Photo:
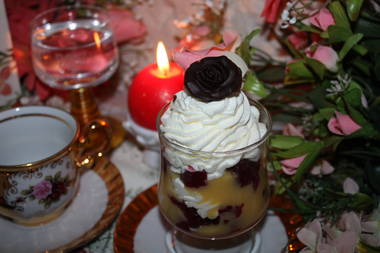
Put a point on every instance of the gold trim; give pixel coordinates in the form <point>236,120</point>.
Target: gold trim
<point>115,187</point>
<point>36,164</point>
<point>126,226</point>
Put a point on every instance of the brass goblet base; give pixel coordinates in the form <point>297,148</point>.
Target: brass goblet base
<point>95,128</point>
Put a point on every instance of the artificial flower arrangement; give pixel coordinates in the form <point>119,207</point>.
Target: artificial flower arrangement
<point>327,158</point>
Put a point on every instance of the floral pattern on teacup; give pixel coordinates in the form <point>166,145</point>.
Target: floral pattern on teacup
<point>48,190</point>
<point>44,189</point>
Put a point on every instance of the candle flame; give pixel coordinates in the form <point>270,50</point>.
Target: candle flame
<point>97,40</point>
<point>162,59</point>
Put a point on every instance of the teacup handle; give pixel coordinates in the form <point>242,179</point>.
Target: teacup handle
<point>94,142</point>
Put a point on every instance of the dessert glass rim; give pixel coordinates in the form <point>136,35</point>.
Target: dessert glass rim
<point>185,149</point>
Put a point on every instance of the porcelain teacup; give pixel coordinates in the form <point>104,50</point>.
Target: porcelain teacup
<point>39,175</point>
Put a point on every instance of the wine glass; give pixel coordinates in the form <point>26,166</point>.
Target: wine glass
<point>214,214</point>
<point>73,48</point>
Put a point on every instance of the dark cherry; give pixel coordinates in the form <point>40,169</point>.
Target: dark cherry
<point>194,179</point>
<point>193,220</point>
<point>246,172</point>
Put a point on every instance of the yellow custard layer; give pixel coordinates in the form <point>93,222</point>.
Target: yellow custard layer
<point>223,193</point>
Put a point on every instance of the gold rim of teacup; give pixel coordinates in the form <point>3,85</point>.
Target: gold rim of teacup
<point>39,163</point>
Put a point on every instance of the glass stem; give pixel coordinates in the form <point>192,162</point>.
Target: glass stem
<point>83,105</point>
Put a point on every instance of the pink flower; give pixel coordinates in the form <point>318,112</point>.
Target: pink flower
<point>342,124</point>
<point>371,228</point>
<point>325,238</point>
<point>289,166</point>
<point>42,189</point>
<point>326,55</point>
<point>350,186</point>
<point>345,235</point>
<point>322,168</point>
<point>298,40</point>
<point>124,25</point>
<point>186,57</point>
<point>272,9</point>
<point>311,235</point>
<point>323,19</point>
<point>291,130</point>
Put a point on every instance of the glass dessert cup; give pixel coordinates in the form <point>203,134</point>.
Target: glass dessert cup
<point>73,49</point>
<point>210,213</point>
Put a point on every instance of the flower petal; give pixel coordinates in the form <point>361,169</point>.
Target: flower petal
<point>350,221</point>
<point>326,168</point>
<point>290,130</point>
<point>347,125</point>
<point>350,186</point>
<point>334,127</point>
<point>308,237</point>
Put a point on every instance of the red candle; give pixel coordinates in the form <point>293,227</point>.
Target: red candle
<point>152,88</point>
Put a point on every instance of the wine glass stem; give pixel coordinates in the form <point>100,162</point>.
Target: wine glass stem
<point>83,105</point>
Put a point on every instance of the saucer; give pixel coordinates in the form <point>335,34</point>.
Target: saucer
<point>141,220</point>
<point>99,200</point>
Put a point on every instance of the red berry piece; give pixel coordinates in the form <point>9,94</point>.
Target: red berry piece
<point>193,219</point>
<point>246,172</point>
<point>194,179</point>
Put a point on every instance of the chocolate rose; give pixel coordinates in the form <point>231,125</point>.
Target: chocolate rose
<point>213,79</point>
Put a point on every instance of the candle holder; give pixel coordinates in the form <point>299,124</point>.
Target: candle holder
<point>152,88</point>
<point>148,139</point>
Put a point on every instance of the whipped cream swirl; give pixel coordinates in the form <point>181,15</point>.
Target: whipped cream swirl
<point>216,126</point>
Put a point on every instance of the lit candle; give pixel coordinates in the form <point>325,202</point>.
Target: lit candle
<point>153,87</point>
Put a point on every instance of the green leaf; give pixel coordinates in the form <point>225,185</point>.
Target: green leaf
<point>271,74</point>
<point>324,114</point>
<point>307,163</point>
<point>244,49</point>
<point>352,94</point>
<point>357,116</point>
<point>317,97</point>
<point>57,176</point>
<point>298,71</point>
<point>368,28</point>
<point>362,65</point>
<point>362,201</point>
<point>304,148</point>
<point>284,141</point>
<point>339,14</point>
<point>318,68</point>
<point>373,45</point>
<point>353,8</point>
<point>349,44</point>
<point>254,86</point>
<point>362,50</point>
<point>338,33</point>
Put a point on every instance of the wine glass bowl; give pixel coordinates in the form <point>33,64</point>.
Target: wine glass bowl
<point>214,207</point>
<point>73,47</point>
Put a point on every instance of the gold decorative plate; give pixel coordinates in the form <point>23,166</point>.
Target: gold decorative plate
<point>115,186</point>
<point>99,200</point>
<point>130,219</point>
